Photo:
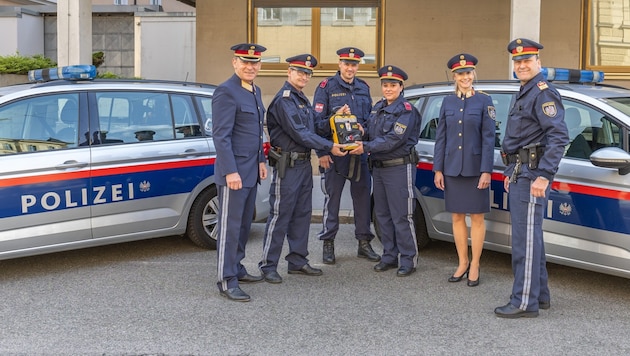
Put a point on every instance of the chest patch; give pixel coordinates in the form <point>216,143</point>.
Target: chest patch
<point>549,108</point>
<point>399,128</point>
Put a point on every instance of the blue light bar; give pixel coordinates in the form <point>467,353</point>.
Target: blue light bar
<point>74,72</point>
<point>571,75</point>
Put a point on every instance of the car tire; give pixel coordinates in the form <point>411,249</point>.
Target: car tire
<point>203,218</point>
<point>422,235</point>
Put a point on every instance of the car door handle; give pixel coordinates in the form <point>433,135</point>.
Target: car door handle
<point>192,152</point>
<point>425,156</point>
<point>71,164</point>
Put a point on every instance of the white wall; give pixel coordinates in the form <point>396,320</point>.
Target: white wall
<point>22,32</point>
<point>165,46</point>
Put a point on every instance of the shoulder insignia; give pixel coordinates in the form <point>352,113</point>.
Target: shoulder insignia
<point>323,83</point>
<point>319,107</point>
<point>407,106</point>
<point>482,92</point>
<point>549,108</point>
<point>286,93</point>
<point>399,128</point>
<point>492,112</point>
<point>542,85</point>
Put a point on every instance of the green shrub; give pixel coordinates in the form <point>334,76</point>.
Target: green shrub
<point>18,64</point>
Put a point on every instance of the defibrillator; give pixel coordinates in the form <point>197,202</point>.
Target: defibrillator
<point>345,130</point>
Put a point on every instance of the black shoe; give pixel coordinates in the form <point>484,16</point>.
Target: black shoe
<point>236,294</point>
<point>365,251</point>
<point>328,252</point>
<point>382,266</point>
<point>307,270</point>
<point>474,283</point>
<point>454,279</point>
<point>272,277</point>
<point>248,278</point>
<point>404,271</point>
<point>512,312</point>
<point>544,304</point>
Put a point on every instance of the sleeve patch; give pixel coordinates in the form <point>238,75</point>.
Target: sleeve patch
<point>492,112</point>
<point>399,128</point>
<point>319,107</point>
<point>549,108</point>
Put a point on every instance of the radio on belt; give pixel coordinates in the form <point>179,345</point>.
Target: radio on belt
<point>345,130</point>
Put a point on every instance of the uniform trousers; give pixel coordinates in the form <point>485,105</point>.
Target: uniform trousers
<point>528,249</point>
<point>393,206</point>
<point>291,200</point>
<point>333,181</point>
<point>236,209</point>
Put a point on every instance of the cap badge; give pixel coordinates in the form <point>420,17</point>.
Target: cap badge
<point>519,49</point>
<point>251,51</point>
<point>462,62</point>
<point>308,63</point>
<point>519,41</point>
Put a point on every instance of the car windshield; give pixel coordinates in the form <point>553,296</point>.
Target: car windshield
<point>621,104</point>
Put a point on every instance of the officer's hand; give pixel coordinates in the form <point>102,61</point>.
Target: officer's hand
<point>337,150</point>
<point>438,180</point>
<point>325,161</point>
<point>361,129</point>
<point>344,110</point>
<point>506,184</point>
<point>359,149</point>
<point>539,186</point>
<point>262,170</point>
<point>233,181</point>
<point>484,181</point>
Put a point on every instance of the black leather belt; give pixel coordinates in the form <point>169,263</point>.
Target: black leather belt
<point>391,162</point>
<point>300,156</point>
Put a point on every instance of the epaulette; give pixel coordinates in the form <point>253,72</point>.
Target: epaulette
<point>323,83</point>
<point>542,85</point>
<point>482,92</point>
<point>407,106</point>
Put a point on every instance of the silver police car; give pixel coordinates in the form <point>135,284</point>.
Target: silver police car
<point>91,162</point>
<point>587,222</point>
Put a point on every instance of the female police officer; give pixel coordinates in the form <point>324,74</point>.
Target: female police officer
<point>392,133</point>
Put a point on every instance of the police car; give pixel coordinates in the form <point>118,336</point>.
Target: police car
<point>587,222</point>
<point>95,162</point>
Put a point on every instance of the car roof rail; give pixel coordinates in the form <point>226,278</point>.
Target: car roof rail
<point>144,81</point>
<point>450,83</point>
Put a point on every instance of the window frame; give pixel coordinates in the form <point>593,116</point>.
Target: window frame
<point>611,71</point>
<point>322,69</point>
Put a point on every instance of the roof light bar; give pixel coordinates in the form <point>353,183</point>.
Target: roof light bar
<point>74,72</point>
<point>573,75</point>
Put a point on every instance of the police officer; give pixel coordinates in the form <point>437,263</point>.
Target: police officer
<point>344,93</point>
<point>392,133</point>
<point>534,143</point>
<point>463,161</point>
<point>290,122</point>
<point>240,164</point>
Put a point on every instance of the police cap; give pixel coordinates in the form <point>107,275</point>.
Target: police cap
<point>303,62</point>
<point>249,52</point>
<point>522,48</point>
<point>463,62</point>
<point>350,54</point>
<point>391,73</point>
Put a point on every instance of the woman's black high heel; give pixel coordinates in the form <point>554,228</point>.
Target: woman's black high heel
<point>453,279</point>
<point>474,283</point>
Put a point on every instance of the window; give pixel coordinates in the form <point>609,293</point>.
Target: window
<point>608,36</point>
<point>41,123</point>
<point>121,2</point>
<point>156,2</point>
<point>319,27</point>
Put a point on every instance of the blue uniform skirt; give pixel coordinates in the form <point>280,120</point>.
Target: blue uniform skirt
<point>462,196</point>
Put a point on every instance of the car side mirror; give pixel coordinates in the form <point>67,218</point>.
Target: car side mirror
<point>612,157</point>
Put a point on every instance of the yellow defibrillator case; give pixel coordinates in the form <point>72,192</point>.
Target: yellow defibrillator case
<point>345,129</point>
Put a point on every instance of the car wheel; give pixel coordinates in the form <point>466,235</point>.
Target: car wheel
<point>203,219</point>
<point>422,235</point>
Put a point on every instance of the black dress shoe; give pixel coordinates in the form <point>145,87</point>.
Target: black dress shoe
<point>474,283</point>
<point>365,251</point>
<point>248,278</point>
<point>404,271</point>
<point>272,277</point>
<point>236,294</point>
<point>328,252</point>
<point>383,266</point>
<point>544,304</point>
<point>454,279</point>
<point>512,312</point>
<point>307,270</point>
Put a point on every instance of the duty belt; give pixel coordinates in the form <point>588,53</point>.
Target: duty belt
<point>391,162</point>
<point>300,156</point>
